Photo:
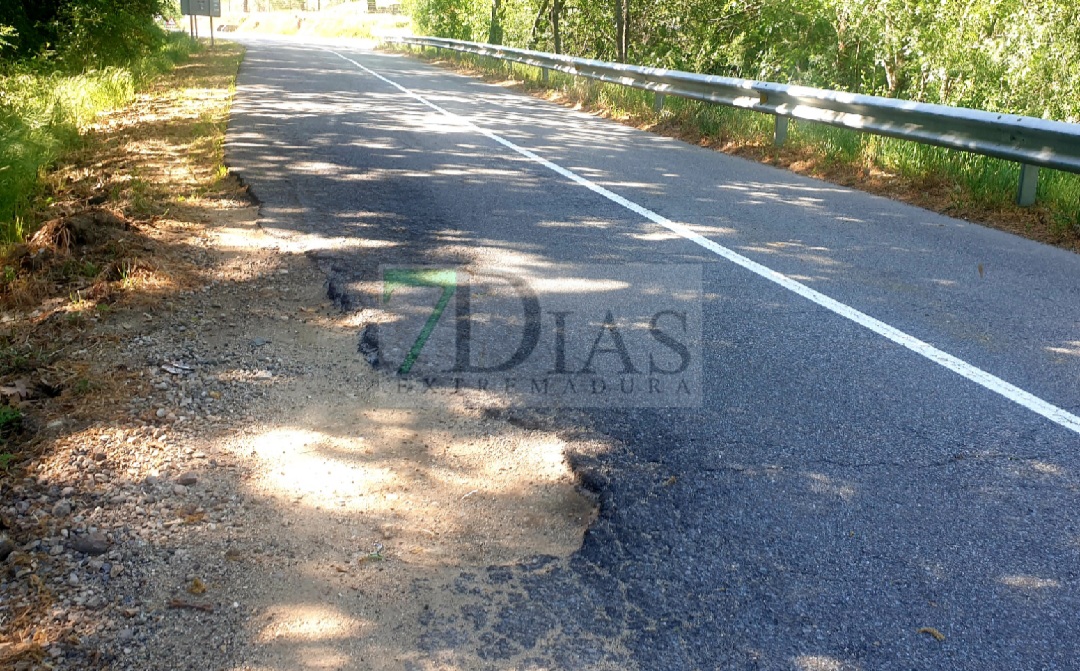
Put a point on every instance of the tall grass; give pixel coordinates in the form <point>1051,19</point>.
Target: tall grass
<point>978,181</point>
<point>43,112</point>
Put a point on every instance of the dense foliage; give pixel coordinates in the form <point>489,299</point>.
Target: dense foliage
<point>61,63</point>
<point>1020,56</point>
<point>80,34</point>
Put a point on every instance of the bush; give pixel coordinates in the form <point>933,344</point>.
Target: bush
<point>80,34</point>
<point>103,33</point>
<point>42,111</point>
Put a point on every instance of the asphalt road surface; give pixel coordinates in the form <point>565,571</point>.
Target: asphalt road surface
<point>883,440</point>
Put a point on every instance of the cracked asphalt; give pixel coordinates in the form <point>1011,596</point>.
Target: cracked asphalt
<point>835,502</point>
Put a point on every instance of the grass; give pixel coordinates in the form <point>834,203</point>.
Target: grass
<point>10,424</point>
<point>112,215</point>
<point>42,115</point>
<point>957,183</point>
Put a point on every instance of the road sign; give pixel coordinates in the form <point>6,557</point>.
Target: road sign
<point>201,7</point>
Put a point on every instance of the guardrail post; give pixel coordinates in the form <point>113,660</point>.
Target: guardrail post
<point>544,75</point>
<point>658,102</point>
<point>780,131</point>
<point>1029,183</point>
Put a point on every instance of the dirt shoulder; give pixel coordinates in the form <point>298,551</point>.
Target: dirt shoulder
<point>198,477</point>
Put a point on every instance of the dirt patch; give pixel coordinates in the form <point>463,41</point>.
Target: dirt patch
<point>373,512</point>
<point>199,477</point>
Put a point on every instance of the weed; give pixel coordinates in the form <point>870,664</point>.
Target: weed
<point>141,200</point>
<point>10,421</point>
<point>1064,223</point>
<point>78,303</point>
<point>82,387</point>
<point>73,268</point>
<point>127,270</point>
<point>14,361</point>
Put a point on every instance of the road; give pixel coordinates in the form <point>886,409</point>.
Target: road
<point>883,441</point>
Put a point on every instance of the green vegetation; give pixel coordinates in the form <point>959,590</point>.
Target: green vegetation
<point>10,423</point>
<point>62,62</point>
<point>1000,55</point>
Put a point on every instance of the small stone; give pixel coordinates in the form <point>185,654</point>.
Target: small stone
<point>125,635</point>
<point>161,412</point>
<point>152,480</point>
<point>187,479</point>
<point>62,508</point>
<point>179,490</point>
<point>67,491</point>
<point>100,456</point>
<point>6,546</point>
<point>92,544</point>
<point>73,579</point>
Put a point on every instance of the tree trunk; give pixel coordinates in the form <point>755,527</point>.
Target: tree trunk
<point>538,22</point>
<point>495,29</point>
<point>622,20</point>
<point>556,36</point>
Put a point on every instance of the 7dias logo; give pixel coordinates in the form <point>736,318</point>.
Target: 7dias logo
<point>591,336</point>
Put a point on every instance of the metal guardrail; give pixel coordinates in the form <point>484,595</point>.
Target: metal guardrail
<point>1032,142</point>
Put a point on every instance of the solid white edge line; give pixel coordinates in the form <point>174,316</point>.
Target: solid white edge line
<point>980,377</point>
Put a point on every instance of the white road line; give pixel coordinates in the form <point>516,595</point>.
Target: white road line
<point>958,366</point>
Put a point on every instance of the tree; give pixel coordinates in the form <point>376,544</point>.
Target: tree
<point>556,37</point>
<point>622,29</point>
<point>495,31</point>
<point>81,33</point>
<point>1003,55</point>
